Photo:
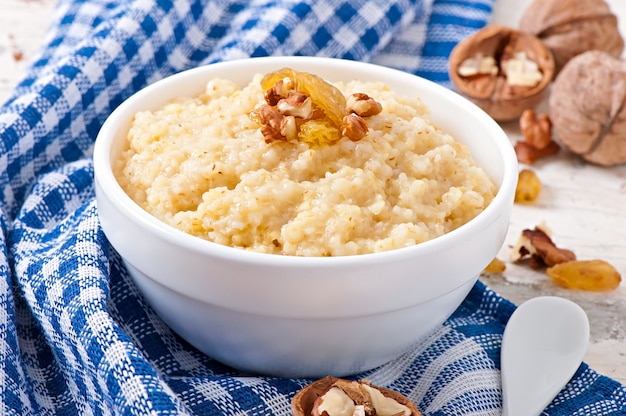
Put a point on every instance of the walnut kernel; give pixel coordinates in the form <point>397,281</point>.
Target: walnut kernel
<point>354,127</point>
<point>478,65</point>
<point>529,154</point>
<point>536,128</point>
<point>296,104</point>
<point>537,133</point>
<point>363,105</point>
<point>521,71</point>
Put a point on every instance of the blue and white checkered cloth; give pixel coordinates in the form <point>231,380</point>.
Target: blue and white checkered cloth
<point>75,335</point>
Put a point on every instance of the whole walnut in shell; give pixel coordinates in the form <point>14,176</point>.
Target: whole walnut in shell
<point>571,27</point>
<point>502,70</point>
<point>587,107</point>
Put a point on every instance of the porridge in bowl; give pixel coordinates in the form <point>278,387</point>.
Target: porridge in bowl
<point>211,166</point>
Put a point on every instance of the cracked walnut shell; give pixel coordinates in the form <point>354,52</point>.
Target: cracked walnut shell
<point>571,27</point>
<point>502,70</point>
<point>587,108</point>
<point>310,400</point>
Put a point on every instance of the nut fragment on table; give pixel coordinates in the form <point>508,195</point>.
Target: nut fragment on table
<point>331,396</point>
<point>536,246</point>
<point>536,128</point>
<point>588,108</point>
<point>537,140</point>
<point>502,70</point>
<point>526,153</point>
<point>571,27</point>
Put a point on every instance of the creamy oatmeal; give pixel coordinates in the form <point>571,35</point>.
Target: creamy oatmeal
<point>201,164</point>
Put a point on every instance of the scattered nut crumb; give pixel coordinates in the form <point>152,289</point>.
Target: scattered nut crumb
<point>17,52</point>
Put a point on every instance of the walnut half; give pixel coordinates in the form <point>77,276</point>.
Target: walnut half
<point>502,70</point>
<point>330,396</point>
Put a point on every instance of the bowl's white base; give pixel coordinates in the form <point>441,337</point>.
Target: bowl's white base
<point>314,347</point>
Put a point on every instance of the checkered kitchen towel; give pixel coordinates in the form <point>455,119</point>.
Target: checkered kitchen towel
<point>75,335</point>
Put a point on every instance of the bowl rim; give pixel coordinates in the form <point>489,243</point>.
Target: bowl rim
<point>103,172</point>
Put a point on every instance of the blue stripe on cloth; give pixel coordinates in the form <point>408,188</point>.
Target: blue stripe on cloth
<point>425,45</point>
<point>76,336</point>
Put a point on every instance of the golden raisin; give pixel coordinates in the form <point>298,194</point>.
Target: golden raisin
<point>591,275</point>
<point>496,266</point>
<point>528,187</point>
<point>318,132</point>
<point>324,95</point>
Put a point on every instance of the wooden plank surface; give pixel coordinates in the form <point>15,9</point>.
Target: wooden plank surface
<point>583,205</point>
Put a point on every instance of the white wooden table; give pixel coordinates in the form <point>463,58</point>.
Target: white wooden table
<point>583,205</point>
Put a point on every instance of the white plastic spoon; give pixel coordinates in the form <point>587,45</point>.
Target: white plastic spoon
<point>543,345</point>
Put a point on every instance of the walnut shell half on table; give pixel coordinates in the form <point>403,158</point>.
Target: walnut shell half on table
<point>587,107</point>
<point>571,27</point>
<point>502,70</point>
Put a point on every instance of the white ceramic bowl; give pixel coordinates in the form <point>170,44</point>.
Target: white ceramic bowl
<point>305,316</point>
